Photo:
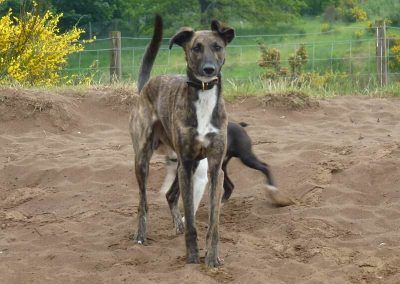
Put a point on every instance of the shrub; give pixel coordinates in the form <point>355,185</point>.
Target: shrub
<point>330,14</point>
<point>351,12</point>
<point>271,60</point>
<point>358,14</point>
<point>298,60</point>
<point>358,34</point>
<point>270,57</point>
<point>371,27</point>
<point>32,49</point>
<point>325,27</point>
<point>394,61</point>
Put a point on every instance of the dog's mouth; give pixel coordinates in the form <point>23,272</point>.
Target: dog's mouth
<point>206,79</point>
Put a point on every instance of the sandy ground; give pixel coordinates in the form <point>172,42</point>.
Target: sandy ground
<point>68,196</point>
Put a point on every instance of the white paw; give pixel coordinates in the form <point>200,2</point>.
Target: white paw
<point>272,188</point>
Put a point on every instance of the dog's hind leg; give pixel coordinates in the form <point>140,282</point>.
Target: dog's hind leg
<point>276,195</point>
<point>185,177</point>
<point>200,179</point>
<point>199,185</point>
<point>142,159</point>
<point>143,138</point>
<point>172,196</point>
<point>228,184</point>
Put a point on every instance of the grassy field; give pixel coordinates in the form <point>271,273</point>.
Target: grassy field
<point>340,49</point>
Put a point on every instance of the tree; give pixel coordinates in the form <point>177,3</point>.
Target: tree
<point>199,13</point>
<point>317,7</point>
<point>136,15</point>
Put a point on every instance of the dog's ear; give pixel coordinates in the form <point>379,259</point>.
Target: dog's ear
<point>181,37</point>
<point>225,32</point>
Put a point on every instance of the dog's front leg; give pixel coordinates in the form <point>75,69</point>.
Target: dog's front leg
<point>215,192</point>
<point>185,176</point>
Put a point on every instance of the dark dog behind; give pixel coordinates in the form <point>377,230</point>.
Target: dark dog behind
<point>239,145</point>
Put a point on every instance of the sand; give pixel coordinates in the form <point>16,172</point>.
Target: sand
<point>68,195</point>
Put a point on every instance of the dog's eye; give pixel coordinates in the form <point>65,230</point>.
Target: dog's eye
<point>217,47</point>
<point>196,48</point>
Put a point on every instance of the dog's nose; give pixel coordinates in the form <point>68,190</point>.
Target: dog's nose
<point>208,69</point>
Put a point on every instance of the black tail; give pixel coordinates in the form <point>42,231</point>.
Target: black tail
<point>150,53</point>
<point>243,124</point>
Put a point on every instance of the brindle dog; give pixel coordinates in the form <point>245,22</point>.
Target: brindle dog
<point>186,114</point>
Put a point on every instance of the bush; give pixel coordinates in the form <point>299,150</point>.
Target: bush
<point>271,60</point>
<point>358,14</point>
<point>358,34</point>
<point>325,27</point>
<point>394,61</point>
<point>330,14</point>
<point>351,12</point>
<point>32,49</point>
<point>298,60</point>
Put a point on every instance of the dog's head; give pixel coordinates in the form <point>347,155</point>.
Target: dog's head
<point>205,50</point>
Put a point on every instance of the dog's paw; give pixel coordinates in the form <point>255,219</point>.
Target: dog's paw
<point>225,197</point>
<point>193,259</point>
<point>139,239</point>
<point>179,227</point>
<point>278,197</point>
<point>212,260</point>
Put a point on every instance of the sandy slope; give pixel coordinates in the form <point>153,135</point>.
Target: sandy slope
<point>68,196</point>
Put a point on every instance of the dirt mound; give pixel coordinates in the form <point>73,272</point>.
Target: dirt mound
<point>118,98</point>
<point>18,104</point>
<point>289,100</point>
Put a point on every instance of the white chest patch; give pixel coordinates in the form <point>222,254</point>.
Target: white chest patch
<point>205,106</point>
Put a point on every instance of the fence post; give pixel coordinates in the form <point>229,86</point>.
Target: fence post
<point>381,60</point>
<point>350,56</point>
<point>115,56</point>
<point>332,57</point>
<point>313,56</point>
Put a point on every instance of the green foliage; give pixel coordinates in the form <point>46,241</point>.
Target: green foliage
<point>325,27</point>
<point>317,7</point>
<point>298,60</point>
<point>271,61</point>
<point>136,16</point>
<point>383,9</point>
<point>270,58</point>
<point>350,11</point>
<point>32,49</point>
<point>394,62</point>
<point>359,34</point>
<point>199,13</point>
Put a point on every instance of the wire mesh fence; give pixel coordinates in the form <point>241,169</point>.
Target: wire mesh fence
<point>344,57</point>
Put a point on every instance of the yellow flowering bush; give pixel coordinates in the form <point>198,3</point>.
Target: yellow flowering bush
<point>358,14</point>
<point>394,61</point>
<point>32,49</point>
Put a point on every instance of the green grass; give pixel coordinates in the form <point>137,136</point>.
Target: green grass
<point>337,51</point>
<point>339,85</point>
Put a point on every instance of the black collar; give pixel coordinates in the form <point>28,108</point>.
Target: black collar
<point>199,85</point>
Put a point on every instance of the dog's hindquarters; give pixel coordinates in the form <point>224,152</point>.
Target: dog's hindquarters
<point>143,131</point>
<point>143,141</point>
